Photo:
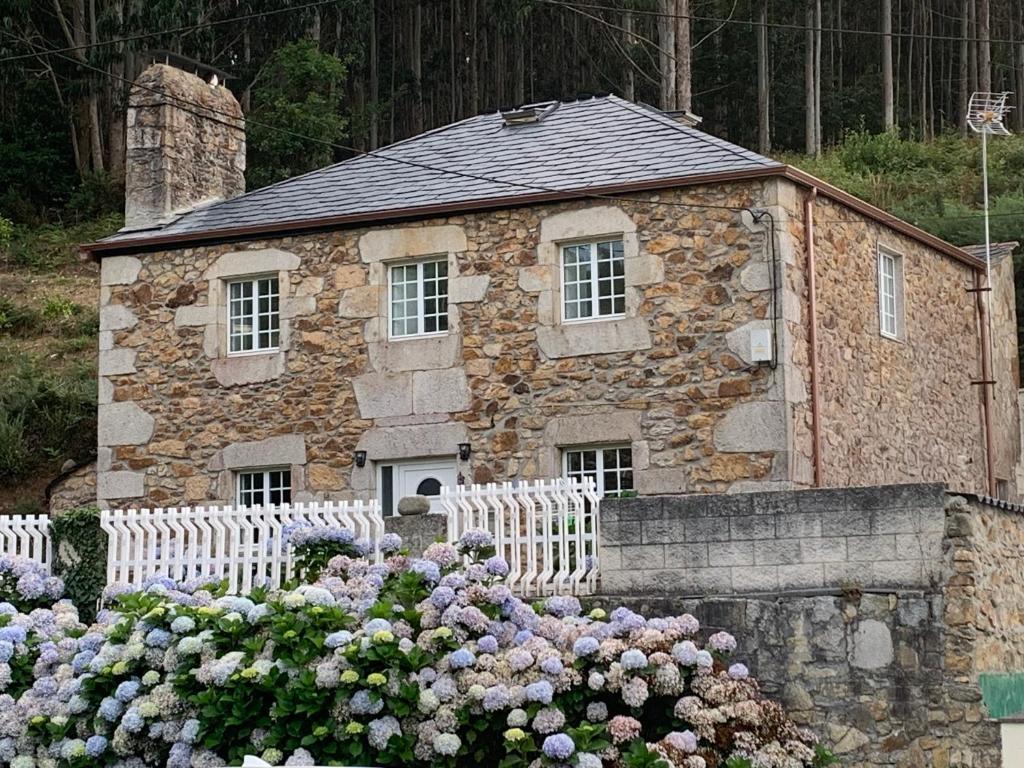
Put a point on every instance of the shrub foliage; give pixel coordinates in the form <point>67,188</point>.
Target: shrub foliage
<point>429,661</point>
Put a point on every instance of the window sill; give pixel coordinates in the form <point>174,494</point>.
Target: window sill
<point>604,337</point>
<point>418,336</point>
<point>249,368</point>
<point>598,319</point>
<point>255,352</point>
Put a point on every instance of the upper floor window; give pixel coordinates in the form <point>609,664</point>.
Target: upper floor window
<point>418,298</point>
<point>254,320</point>
<point>611,467</point>
<point>264,487</point>
<point>890,294</point>
<point>593,280</point>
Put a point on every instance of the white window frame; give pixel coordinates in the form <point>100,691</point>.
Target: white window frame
<point>255,316</point>
<point>890,323</point>
<point>595,280</point>
<point>599,465</point>
<point>265,473</point>
<point>420,298</point>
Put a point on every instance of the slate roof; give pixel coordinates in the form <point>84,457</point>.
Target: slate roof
<point>595,143</point>
<point>999,250</point>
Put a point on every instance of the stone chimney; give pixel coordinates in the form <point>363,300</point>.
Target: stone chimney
<point>186,146</point>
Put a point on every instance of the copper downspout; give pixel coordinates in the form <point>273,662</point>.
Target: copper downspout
<point>812,300</point>
<point>986,378</point>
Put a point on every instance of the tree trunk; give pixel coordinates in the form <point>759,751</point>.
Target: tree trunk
<point>817,78</point>
<point>984,46</point>
<point>888,108</point>
<point>964,71</point>
<point>474,69</point>
<point>628,76</point>
<point>417,68</point>
<point>764,141</point>
<point>684,56</point>
<point>810,141</point>
<point>520,54</point>
<point>666,53</point>
<point>972,10</point>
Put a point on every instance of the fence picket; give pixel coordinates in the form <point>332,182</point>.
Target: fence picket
<point>547,530</point>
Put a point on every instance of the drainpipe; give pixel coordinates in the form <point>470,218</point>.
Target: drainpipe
<point>986,383</point>
<point>812,300</point>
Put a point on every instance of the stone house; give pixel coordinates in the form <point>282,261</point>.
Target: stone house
<point>569,288</point>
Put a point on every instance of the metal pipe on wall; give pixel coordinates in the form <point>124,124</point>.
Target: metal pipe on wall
<point>812,301</point>
<point>982,286</point>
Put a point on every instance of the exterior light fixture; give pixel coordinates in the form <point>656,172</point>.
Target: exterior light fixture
<point>360,458</point>
<point>464,451</point>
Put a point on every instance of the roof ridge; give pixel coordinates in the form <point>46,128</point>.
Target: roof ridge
<point>714,141</point>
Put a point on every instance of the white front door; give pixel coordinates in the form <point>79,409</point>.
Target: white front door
<point>415,478</point>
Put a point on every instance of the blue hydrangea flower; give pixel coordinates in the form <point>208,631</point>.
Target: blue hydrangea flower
<point>496,566</point>
<point>487,644</point>
<point>633,659</point>
<point>540,691</point>
<point>127,691</point>
<point>558,746</point>
<point>461,659</point>
<point>428,570</point>
<point>585,646</point>
<point>551,665</point>
<point>96,745</point>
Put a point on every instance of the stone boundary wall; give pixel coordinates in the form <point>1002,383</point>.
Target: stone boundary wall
<point>824,539</point>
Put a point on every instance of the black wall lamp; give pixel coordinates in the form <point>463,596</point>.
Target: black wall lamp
<point>360,458</point>
<point>464,451</point>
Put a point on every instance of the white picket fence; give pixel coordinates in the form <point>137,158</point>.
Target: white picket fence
<point>244,546</point>
<point>548,530</point>
<point>26,536</point>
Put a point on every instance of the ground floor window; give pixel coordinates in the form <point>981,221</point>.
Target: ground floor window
<point>264,487</point>
<point>611,467</point>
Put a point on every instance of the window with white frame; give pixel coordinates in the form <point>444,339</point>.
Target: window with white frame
<point>611,467</point>
<point>890,294</point>
<point>263,487</point>
<point>593,280</point>
<point>418,298</point>
<point>254,319</point>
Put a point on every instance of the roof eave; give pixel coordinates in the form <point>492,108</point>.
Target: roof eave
<point>163,242</point>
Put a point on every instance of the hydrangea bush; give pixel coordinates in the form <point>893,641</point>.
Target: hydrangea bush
<point>428,661</point>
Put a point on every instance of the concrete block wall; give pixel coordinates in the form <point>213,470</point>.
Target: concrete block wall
<point>880,537</point>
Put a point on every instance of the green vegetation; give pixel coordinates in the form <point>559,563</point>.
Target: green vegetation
<point>935,185</point>
<point>47,413</point>
<point>301,88</point>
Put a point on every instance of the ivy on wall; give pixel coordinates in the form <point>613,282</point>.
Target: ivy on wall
<point>80,557</point>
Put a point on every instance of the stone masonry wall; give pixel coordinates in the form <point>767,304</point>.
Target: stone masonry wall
<point>881,660</point>
<point>893,410</point>
<point>670,379</point>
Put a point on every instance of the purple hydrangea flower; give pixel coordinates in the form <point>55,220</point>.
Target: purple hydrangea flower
<point>496,566</point>
<point>476,539</point>
<point>739,672</point>
<point>487,644</point>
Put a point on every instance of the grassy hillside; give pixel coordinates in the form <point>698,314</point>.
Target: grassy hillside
<point>48,332</point>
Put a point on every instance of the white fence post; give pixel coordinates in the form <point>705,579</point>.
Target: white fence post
<point>27,536</point>
<point>242,545</point>
<point>547,530</point>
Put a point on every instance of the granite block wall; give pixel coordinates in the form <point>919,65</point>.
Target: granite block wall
<point>870,613</point>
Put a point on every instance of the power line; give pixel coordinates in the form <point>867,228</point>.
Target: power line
<point>578,6</point>
<point>173,31</point>
<point>207,112</point>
